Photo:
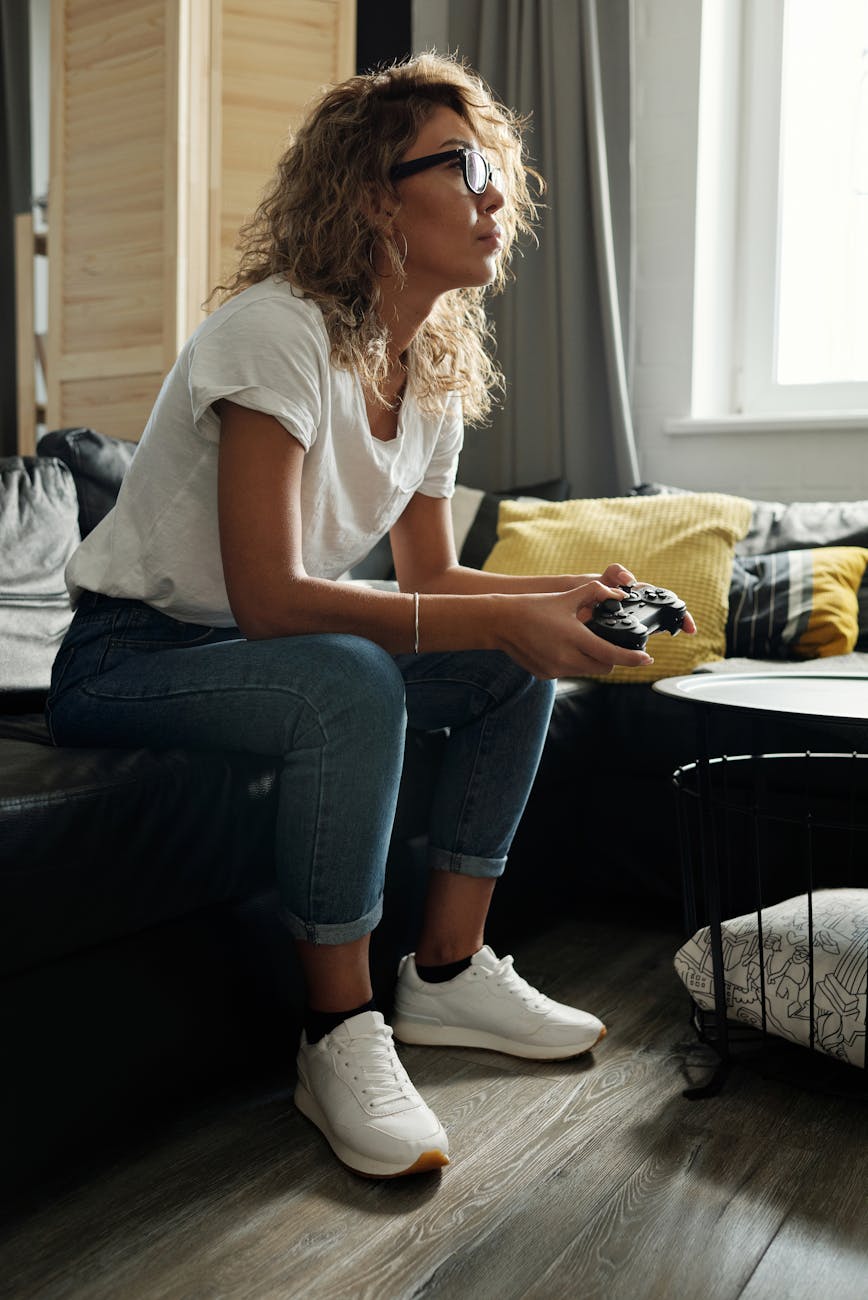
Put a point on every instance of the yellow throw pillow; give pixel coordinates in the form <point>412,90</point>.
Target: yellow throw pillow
<point>685,543</point>
<point>833,624</point>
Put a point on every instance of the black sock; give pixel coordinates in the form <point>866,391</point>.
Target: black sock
<point>319,1023</point>
<point>440,974</point>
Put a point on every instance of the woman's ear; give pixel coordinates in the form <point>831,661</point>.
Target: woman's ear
<point>379,207</point>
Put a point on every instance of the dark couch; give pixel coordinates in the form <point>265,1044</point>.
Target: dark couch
<point>143,961</point>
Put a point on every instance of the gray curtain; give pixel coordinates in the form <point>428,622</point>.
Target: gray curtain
<point>561,325</point>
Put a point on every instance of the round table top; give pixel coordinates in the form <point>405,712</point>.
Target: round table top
<point>811,695</point>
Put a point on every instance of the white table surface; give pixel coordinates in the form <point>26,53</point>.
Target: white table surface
<point>838,698</point>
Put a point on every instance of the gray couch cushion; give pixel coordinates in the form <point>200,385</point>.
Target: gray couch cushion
<point>38,534</point>
<point>803,525</point>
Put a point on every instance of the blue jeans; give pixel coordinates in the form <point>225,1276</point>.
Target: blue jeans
<point>333,710</point>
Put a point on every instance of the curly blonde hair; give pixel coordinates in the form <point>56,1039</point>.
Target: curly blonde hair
<point>316,224</point>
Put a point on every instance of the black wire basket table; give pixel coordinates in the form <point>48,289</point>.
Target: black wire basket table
<point>774,859</point>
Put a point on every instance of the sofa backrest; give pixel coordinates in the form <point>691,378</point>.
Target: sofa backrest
<point>98,464</point>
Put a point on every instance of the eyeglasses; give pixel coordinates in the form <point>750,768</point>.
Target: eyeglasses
<point>474,165</point>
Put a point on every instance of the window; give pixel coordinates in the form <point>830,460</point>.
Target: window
<point>781,289</point>
<point>822,291</point>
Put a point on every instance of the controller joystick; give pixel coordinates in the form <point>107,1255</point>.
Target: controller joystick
<point>644,610</point>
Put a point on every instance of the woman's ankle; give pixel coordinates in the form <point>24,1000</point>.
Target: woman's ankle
<point>337,976</point>
<point>319,1023</point>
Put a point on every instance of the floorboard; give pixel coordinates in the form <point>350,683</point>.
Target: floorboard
<point>592,1178</point>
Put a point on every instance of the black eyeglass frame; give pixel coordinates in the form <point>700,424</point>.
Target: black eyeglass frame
<point>492,174</point>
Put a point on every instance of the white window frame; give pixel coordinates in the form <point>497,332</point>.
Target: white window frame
<point>737,235</point>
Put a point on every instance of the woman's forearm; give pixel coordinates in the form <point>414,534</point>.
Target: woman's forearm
<point>461,581</point>
<point>542,631</point>
<point>448,621</point>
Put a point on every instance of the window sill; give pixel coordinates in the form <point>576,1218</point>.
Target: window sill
<point>775,422</point>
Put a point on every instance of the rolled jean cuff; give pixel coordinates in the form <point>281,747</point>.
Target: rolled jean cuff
<point>465,864</point>
<point>333,932</point>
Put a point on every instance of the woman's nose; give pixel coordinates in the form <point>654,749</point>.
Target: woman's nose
<point>493,199</point>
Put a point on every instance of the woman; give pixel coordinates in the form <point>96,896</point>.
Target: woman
<point>317,409</point>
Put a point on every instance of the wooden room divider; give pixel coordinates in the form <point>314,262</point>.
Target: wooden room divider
<point>167,117</point>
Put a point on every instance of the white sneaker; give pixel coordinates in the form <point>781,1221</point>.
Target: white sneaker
<point>489,1005</point>
<point>352,1085</point>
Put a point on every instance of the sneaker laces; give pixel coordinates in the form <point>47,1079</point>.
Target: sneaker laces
<point>385,1079</point>
<point>509,978</point>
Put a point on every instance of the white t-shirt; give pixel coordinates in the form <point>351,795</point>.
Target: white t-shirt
<point>266,349</point>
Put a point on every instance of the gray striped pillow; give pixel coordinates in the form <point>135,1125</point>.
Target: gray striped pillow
<point>801,604</point>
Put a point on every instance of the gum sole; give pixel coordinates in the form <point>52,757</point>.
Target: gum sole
<point>427,1161</point>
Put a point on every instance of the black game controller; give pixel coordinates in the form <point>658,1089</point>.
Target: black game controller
<point>644,610</point>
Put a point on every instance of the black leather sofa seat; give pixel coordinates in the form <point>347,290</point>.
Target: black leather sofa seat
<point>102,843</point>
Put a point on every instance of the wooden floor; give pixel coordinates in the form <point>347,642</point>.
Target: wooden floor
<point>594,1178</point>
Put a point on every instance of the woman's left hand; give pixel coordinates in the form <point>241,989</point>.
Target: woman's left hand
<point>615,575</point>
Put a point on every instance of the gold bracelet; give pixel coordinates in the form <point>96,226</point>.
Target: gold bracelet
<point>416,612</point>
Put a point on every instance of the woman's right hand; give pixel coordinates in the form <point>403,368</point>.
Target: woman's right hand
<point>546,633</point>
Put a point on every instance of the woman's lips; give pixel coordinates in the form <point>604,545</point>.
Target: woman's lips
<point>494,238</point>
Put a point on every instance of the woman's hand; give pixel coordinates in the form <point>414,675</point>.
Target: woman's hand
<point>616,575</point>
<point>546,633</point>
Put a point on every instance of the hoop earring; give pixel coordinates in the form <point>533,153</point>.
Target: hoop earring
<point>402,257</point>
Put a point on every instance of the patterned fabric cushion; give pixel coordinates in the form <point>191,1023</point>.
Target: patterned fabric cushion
<point>796,603</point>
<point>38,533</point>
<point>840,928</point>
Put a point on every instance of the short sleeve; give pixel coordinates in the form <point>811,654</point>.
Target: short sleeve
<point>268,355</point>
<point>439,480</point>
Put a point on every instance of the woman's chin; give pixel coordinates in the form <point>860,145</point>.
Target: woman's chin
<point>487,271</point>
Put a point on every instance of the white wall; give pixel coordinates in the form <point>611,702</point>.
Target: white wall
<point>781,466</point>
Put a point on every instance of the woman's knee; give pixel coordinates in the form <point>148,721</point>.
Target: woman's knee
<point>543,691</point>
<point>361,687</point>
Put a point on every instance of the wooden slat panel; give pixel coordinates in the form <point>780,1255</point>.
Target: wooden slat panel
<point>275,55</point>
<point>118,405</point>
<point>56,208</point>
<point>116,81</point>
<point>163,135</point>
<point>25,340</point>
<point>118,362</point>
<point>194,166</point>
<point>113,208</point>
